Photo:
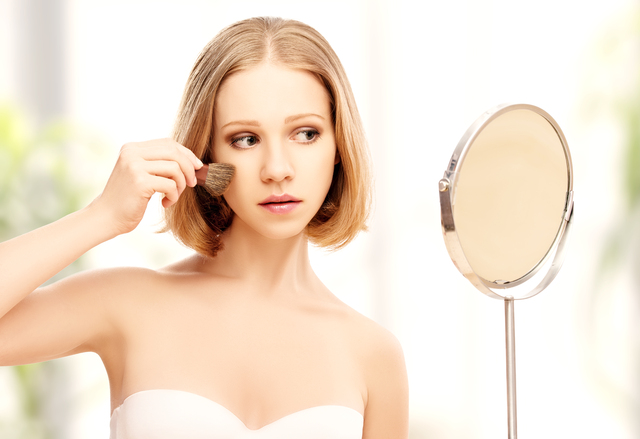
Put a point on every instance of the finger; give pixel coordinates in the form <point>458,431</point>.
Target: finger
<point>191,155</point>
<point>197,163</point>
<point>168,169</point>
<point>165,186</point>
<point>167,149</point>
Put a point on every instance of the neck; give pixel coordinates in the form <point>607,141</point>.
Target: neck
<point>271,265</point>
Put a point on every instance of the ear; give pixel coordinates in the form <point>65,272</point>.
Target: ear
<point>337,159</point>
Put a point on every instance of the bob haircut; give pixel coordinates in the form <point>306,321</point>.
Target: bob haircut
<point>199,219</point>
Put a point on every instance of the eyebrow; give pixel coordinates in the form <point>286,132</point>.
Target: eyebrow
<point>300,116</point>
<point>255,123</point>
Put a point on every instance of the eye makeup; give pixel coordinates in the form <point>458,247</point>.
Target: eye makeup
<point>247,141</point>
<point>250,140</point>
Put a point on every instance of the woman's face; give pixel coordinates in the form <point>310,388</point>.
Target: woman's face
<point>274,124</point>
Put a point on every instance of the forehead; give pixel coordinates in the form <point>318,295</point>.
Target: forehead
<point>269,91</point>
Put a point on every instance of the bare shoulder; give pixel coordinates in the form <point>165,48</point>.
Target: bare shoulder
<point>94,310</point>
<point>107,279</point>
<point>381,359</point>
<point>374,344</point>
<point>376,349</point>
<point>104,285</point>
<point>126,290</point>
<point>193,264</point>
<point>73,315</point>
<point>114,295</point>
<point>106,290</point>
<point>122,282</point>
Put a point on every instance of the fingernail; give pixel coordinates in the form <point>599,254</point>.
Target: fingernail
<point>199,162</point>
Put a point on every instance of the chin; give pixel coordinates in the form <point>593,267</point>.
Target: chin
<point>280,235</point>
<point>274,228</point>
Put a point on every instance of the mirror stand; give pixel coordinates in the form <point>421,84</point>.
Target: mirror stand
<point>510,342</point>
<point>506,202</point>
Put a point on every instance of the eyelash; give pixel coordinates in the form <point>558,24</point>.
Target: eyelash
<point>235,140</point>
<point>316,135</point>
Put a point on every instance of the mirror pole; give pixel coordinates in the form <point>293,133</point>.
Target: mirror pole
<point>510,338</point>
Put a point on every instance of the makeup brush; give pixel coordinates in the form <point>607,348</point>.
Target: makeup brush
<point>215,177</point>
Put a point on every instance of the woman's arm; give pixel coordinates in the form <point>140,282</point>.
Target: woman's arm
<point>386,413</point>
<point>29,260</point>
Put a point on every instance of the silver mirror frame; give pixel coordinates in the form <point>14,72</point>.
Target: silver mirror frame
<point>447,187</point>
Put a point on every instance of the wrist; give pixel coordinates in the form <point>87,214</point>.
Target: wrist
<point>100,221</point>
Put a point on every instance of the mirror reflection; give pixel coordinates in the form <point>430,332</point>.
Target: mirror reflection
<point>510,196</point>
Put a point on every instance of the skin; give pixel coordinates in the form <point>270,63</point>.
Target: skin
<point>249,328</point>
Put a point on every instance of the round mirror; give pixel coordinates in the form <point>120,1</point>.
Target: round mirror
<point>507,198</point>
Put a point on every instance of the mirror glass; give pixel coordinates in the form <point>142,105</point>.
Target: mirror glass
<point>509,183</point>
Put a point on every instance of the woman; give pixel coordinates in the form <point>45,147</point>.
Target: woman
<point>241,338</point>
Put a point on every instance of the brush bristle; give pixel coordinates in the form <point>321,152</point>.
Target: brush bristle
<point>218,178</point>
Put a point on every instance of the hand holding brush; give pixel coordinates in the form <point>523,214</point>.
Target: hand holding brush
<point>155,166</point>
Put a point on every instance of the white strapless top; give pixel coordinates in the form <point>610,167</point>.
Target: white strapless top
<point>176,414</point>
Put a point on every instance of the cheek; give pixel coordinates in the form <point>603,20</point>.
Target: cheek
<point>328,162</point>
<point>327,174</point>
<point>218,152</point>
<point>240,187</point>
<point>320,171</point>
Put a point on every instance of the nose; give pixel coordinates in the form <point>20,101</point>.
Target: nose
<point>277,165</point>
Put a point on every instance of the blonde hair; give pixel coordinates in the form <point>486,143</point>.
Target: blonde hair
<point>198,219</point>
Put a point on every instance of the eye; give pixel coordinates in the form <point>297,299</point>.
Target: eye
<point>244,142</point>
<point>307,135</point>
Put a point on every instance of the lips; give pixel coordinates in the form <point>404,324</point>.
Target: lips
<point>280,204</point>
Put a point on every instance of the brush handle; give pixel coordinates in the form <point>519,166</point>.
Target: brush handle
<point>201,174</point>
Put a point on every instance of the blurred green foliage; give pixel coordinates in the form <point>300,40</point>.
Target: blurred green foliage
<point>40,182</point>
<point>631,115</point>
<point>615,91</point>
<point>619,56</point>
<point>37,184</point>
